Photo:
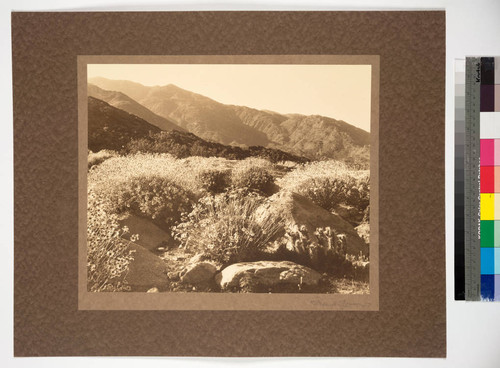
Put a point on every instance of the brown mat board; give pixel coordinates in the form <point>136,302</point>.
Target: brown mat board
<point>411,320</point>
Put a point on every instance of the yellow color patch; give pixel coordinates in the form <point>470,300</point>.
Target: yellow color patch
<point>487,206</point>
<point>497,206</point>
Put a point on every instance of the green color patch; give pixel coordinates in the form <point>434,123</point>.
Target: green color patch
<point>497,234</point>
<point>488,234</point>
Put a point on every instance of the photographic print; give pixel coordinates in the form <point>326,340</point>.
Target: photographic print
<point>228,178</point>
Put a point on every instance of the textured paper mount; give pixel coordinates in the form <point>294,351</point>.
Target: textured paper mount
<point>411,316</point>
<point>227,301</point>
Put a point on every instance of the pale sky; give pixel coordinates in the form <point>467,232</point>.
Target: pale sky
<point>341,92</point>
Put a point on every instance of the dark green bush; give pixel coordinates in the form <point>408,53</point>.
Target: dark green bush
<point>254,179</point>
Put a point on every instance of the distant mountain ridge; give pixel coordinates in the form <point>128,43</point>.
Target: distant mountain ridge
<point>124,102</point>
<point>115,129</point>
<point>313,136</point>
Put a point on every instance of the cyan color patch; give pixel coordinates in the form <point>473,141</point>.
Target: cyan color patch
<point>487,261</point>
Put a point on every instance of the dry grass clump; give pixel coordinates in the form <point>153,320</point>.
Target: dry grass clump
<point>227,229</point>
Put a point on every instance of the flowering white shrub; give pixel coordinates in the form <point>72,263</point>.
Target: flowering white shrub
<point>329,183</point>
<point>108,254</point>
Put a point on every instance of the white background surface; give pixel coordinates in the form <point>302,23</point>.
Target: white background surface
<point>473,28</point>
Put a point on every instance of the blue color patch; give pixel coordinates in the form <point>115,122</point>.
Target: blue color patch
<point>487,287</point>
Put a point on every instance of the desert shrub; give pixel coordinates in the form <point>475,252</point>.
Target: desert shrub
<point>214,181</point>
<point>99,157</point>
<point>228,228</point>
<point>153,197</point>
<point>183,172</point>
<point>326,192</point>
<point>327,254</point>
<point>108,255</point>
<point>317,169</point>
<point>329,183</point>
<point>255,179</point>
<point>358,195</point>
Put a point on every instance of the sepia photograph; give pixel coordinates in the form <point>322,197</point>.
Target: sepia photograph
<point>228,178</point>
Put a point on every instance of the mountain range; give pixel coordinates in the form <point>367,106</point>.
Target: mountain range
<point>123,102</point>
<point>115,129</point>
<point>173,108</point>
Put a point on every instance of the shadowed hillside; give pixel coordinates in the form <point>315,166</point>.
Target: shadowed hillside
<point>182,144</point>
<point>112,128</point>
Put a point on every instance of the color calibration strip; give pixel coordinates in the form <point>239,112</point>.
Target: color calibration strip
<point>459,179</point>
<point>477,179</point>
<point>490,178</point>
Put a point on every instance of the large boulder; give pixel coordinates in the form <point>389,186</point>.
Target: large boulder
<point>297,210</point>
<point>151,236</point>
<point>201,273</point>
<point>266,273</point>
<point>146,271</point>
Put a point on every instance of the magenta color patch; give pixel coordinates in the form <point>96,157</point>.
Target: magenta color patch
<point>497,152</point>
<point>487,152</point>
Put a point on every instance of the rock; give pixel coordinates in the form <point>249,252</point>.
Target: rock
<point>146,271</point>
<point>173,275</point>
<point>349,213</point>
<point>364,232</point>
<point>150,235</point>
<point>199,273</point>
<point>266,273</point>
<point>153,290</point>
<point>298,210</point>
<point>198,258</point>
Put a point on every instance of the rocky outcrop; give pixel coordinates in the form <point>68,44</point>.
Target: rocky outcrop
<point>266,273</point>
<point>146,271</point>
<point>349,213</point>
<point>299,211</point>
<point>151,236</point>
